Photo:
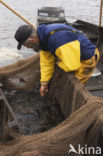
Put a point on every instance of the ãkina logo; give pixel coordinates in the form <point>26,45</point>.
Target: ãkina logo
<point>85,150</point>
<point>72,149</point>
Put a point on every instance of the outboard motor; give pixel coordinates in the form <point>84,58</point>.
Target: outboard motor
<point>48,15</point>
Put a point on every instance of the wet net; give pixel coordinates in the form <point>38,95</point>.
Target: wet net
<point>82,127</point>
<point>21,75</point>
<point>83,122</point>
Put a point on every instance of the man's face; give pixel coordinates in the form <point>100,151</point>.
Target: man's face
<point>29,44</point>
<point>32,43</point>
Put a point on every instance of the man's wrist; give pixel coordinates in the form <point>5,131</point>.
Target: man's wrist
<point>44,83</point>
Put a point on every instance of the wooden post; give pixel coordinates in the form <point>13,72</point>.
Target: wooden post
<point>7,118</point>
<point>100,16</point>
<point>4,117</point>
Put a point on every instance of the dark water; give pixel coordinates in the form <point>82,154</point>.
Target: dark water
<point>34,113</point>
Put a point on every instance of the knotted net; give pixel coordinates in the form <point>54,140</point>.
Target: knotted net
<point>83,113</point>
<point>21,75</point>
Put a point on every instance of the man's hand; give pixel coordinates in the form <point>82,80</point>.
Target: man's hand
<point>43,90</point>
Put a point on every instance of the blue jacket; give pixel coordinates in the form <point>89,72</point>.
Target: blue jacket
<point>60,38</point>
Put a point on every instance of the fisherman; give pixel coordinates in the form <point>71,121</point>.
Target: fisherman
<point>60,44</point>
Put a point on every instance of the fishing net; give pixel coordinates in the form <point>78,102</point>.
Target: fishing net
<point>83,122</point>
<point>22,75</point>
